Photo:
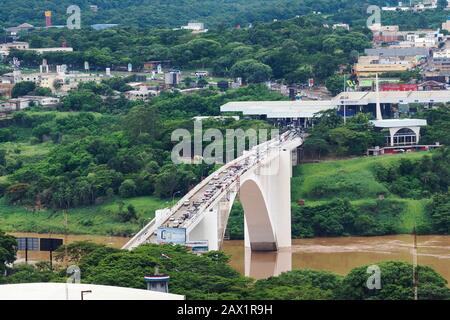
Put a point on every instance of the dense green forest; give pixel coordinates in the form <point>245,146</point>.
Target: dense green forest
<point>215,13</point>
<point>209,276</point>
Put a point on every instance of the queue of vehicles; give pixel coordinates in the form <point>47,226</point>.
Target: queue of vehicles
<point>219,183</point>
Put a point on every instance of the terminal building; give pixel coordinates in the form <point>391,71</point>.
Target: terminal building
<point>386,108</point>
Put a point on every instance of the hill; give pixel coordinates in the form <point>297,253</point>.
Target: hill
<point>176,12</point>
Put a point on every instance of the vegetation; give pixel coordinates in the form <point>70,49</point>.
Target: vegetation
<point>216,14</point>
<point>7,250</point>
<point>95,160</point>
<point>209,276</point>
<point>291,50</point>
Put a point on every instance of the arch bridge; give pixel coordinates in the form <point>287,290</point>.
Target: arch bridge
<point>260,178</point>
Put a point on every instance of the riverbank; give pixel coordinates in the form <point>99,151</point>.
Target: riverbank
<point>101,219</point>
<point>337,255</point>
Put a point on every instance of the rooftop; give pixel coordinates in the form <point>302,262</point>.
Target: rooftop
<point>307,109</point>
<point>57,291</point>
<point>399,123</point>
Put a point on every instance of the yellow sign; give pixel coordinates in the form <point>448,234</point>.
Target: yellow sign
<point>48,13</point>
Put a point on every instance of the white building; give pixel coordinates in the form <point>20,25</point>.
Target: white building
<point>72,291</point>
<point>196,27</point>
<point>56,49</point>
<point>142,93</point>
<point>5,48</point>
<point>341,26</point>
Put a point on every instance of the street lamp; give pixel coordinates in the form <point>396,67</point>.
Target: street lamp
<point>173,196</point>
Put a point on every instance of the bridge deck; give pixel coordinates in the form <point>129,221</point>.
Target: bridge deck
<point>188,212</point>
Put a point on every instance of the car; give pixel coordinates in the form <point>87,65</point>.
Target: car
<point>171,219</point>
<point>186,203</point>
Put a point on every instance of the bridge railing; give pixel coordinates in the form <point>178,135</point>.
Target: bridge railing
<point>142,236</point>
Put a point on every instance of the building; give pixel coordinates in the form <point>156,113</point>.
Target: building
<point>401,132</point>
<point>431,85</point>
<point>25,102</point>
<point>142,93</point>
<point>46,50</point>
<point>6,89</point>
<point>385,33</point>
<point>78,291</point>
<point>446,25</point>
<point>5,48</point>
<point>303,111</point>
<point>158,283</point>
<point>103,26</point>
<point>195,27</point>
<point>172,78</point>
<point>403,53</point>
<point>371,69</point>
<point>341,26</point>
<point>14,31</point>
<point>18,45</point>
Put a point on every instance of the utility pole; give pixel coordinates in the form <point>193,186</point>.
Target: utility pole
<point>415,273</point>
<point>345,91</point>
<point>65,238</point>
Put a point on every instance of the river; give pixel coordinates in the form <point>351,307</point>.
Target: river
<point>338,255</point>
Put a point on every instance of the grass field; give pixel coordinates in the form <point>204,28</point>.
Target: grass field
<point>354,179</point>
<point>99,219</point>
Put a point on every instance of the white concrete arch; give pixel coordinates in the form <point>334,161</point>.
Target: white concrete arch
<point>260,235</point>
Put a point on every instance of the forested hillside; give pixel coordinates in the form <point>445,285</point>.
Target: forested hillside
<point>157,13</point>
<point>293,50</point>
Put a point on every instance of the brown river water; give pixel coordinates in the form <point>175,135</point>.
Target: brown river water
<point>338,255</point>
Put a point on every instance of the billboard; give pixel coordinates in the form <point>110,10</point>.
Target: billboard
<point>171,235</point>
<point>49,244</point>
<point>398,87</point>
<point>31,244</point>
<point>198,246</point>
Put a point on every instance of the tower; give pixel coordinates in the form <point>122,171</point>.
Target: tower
<point>157,282</point>
<point>48,19</point>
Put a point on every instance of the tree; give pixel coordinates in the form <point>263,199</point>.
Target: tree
<point>335,84</point>
<point>396,283</point>
<point>201,83</point>
<point>142,119</point>
<point>188,81</point>
<point>8,249</point>
<point>127,189</point>
<point>22,89</point>
<point>442,4</point>
<point>251,71</point>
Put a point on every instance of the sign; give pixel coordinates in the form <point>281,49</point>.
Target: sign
<point>311,82</point>
<point>30,244</point>
<point>86,66</point>
<point>398,87</point>
<point>171,235</point>
<point>50,244</point>
<point>130,67</point>
<point>198,246</point>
